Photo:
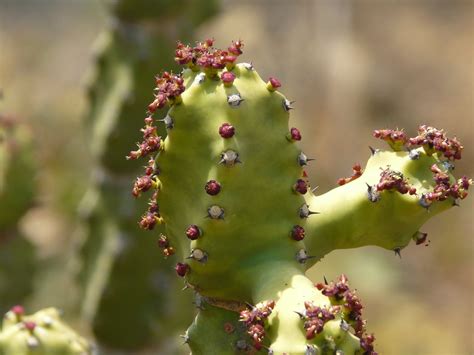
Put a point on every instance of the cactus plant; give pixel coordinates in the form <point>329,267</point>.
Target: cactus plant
<point>17,190</point>
<point>42,333</point>
<point>118,268</point>
<point>236,201</point>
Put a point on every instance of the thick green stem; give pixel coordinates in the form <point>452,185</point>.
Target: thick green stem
<point>348,219</point>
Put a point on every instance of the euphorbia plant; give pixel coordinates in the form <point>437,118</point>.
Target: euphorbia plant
<point>229,184</point>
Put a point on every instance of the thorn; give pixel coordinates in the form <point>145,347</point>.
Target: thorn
<point>414,154</point>
<point>314,189</point>
<point>424,202</point>
<point>344,325</point>
<point>398,252</point>
<point>229,158</point>
<point>248,66</point>
<point>372,194</point>
<point>301,315</point>
<point>372,150</point>
<point>185,338</point>
<point>168,121</point>
<point>198,255</point>
<point>287,104</point>
<point>215,212</point>
<point>325,280</point>
<point>234,100</point>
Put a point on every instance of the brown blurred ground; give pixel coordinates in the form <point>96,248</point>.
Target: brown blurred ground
<point>351,66</point>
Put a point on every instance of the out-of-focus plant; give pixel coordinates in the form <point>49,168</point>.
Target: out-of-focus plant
<point>42,333</point>
<point>17,191</point>
<point>128,295</point>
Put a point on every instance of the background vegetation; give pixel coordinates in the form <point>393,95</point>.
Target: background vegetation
<point>351,66</point>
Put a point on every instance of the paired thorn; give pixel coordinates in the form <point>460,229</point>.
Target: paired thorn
<point>248,66</point>
<point>301,315</point>
<point>372,194</point>
<point>303,160</point>
<point>414,154</point>
<point>200,78</point>
<point>344,325</point>
<point>198,255</point>
<point>398,252</point>
<point>373,150</point>
<point>304,211</point>
<point>302,256</point>
<point>234,100</point>
<point>215,212</point>
<point>287,105</point>
<point>229,158</point>
<point>185,338</point>
<point>168,121</point>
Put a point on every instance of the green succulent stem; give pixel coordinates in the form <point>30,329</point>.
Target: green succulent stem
<point>348,219</point>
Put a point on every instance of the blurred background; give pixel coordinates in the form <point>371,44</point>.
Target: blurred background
<point>351,66</point>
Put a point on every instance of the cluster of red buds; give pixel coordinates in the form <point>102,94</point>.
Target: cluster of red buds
<point>432,139</point>
<point>435,139</point>
<point>395,138</point>
<point>165,246</point>
<point>169,87</point>
<point>151,141</point>
<point>356,172</point>
<point>367,344</point>
<point>339,293</point>
<point>254,320</point>
<point>205,56</point>
<point>394,180</point>
<point>152,215</point>
<point>444,189</point>
<point>316,317</point>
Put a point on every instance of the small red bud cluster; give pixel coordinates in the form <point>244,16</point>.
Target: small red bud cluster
<point>435,139</point>
<point>164,245</point>
<point>339,293</point>
<point>394,180</point>
<point>395,138</point>
<point>430,138</point>
<point>151,141</point>
<point>254,320</point>
<point>356,172</point>
<point>205,56</point>
<point>169,87</point>
<point>316,317</point>
<point>366,343</point>
<point>444,189</point>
